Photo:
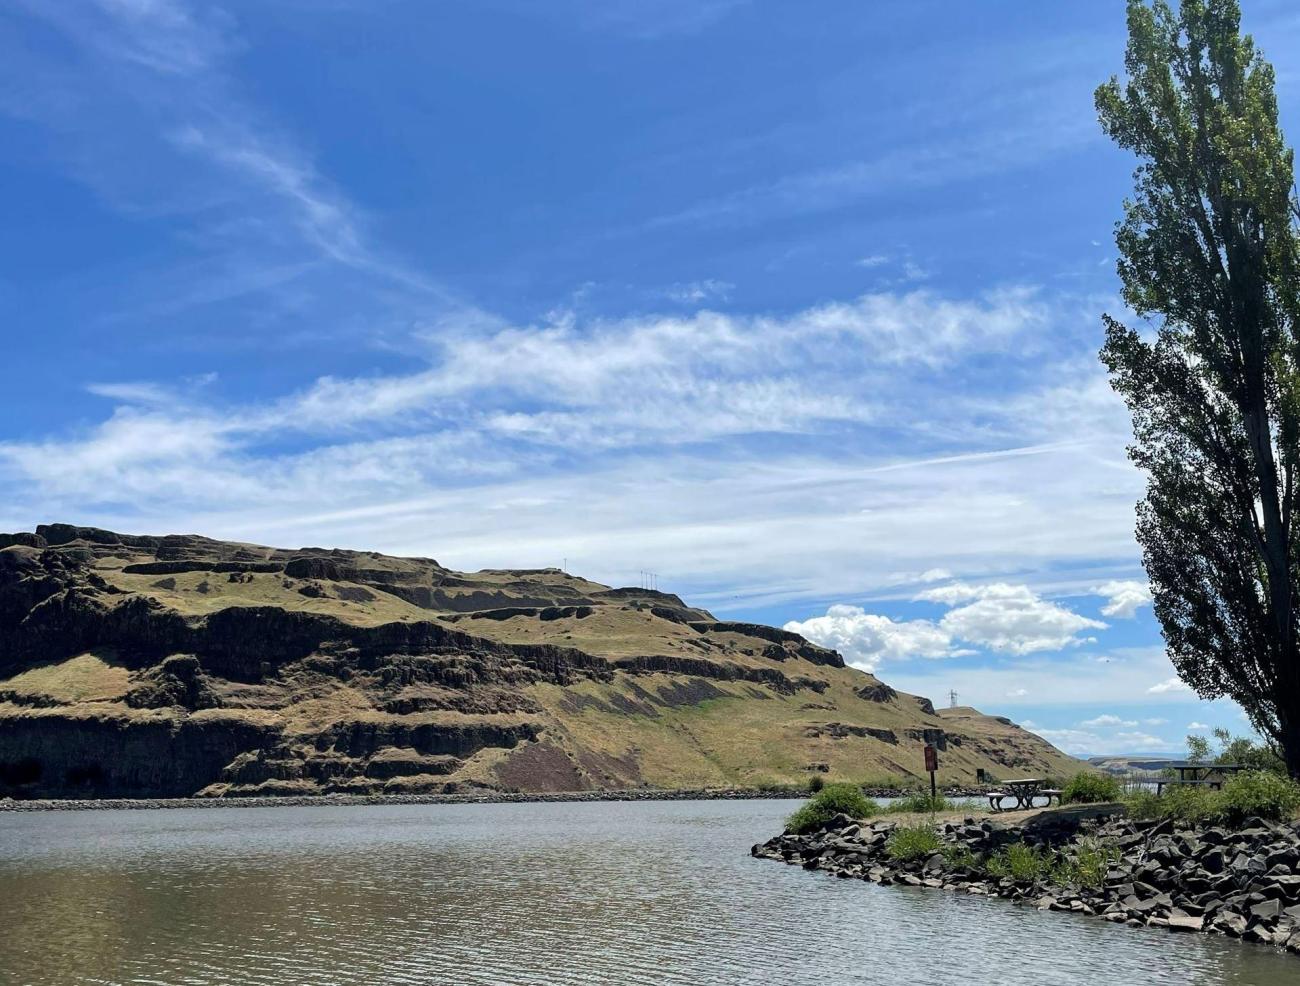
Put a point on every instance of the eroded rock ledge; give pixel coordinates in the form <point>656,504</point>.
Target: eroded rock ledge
<point>1243,882</point>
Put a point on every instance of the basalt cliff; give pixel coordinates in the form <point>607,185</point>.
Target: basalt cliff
<point>172,666</point>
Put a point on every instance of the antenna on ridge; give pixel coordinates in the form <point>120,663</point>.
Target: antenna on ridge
<point>952,699</point>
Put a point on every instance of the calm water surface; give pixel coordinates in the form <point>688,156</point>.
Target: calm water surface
<point>605,893</point>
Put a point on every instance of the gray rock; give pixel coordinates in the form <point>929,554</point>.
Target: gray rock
<point>1267,910</point>
<point>1182,921</point>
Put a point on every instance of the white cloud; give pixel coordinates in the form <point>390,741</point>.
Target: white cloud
<point>1001,617</point>
<point>1083,741</point>
<point>1075,741</point>
<point>694,292</point>
<point>1173,684</point>
<point>1108,720</point>
<point>1124,597</point>
<point>1199,727</point>
<point>1018,693</point>
<point>914,272</point>
<point>655,413</point>
<point>1144,742</point>
<point>934,575</point>
<point>1009,618</point>
<point>1155,722</point>
<point>865,639</point>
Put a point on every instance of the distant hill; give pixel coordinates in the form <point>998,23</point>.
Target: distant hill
<point>1128,762</point>
<point>180,665</point>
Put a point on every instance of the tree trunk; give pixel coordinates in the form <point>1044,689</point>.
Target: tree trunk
<point>1289,734</point>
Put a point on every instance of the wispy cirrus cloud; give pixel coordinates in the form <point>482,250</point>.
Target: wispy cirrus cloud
<point>145,112</point>
<point>725,449</point>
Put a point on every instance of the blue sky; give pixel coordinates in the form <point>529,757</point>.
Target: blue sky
<point>799,312</point>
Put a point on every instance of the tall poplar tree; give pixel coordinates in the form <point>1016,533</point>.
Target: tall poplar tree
<point>1210,256</point>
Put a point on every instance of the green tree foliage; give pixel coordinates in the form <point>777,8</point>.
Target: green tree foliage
<point>1237,750</point>
<point>1198,749</point>
<point>1209,252</point>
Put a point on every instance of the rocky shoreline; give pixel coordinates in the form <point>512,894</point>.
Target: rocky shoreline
<point>350,800</point>
<point>1242,881</point>
<point>480,797</point>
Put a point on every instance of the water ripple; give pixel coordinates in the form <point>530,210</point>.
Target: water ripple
<point>521,895</point>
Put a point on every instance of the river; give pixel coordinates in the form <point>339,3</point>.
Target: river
<point>513,894</point>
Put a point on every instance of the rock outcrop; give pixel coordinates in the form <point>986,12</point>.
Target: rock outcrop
<point>147,666</point>
<point>1242,881</point>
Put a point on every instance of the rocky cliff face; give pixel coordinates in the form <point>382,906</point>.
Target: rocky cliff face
<point>179,665</point>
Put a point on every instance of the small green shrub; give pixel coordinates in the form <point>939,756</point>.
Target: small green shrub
<point>1143,805</point>
<point>1020,862</point>
<point>816,783</point>
<point>1089,786</point>
<point>1259,792</point>
<point>909,842</point>
<point>1088,865</point>
<point>920,802</point>
<point>1190,804</point>
<point>831,800</point>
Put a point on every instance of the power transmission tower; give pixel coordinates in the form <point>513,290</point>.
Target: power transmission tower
<point>952,699</point>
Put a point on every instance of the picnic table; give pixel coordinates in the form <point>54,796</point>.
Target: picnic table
<point>1192,774</point>
<point>1024,790</point>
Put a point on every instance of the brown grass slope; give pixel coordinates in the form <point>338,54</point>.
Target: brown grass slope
<point>179,665</point>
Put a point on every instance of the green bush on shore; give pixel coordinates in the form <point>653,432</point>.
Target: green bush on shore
<point>1089,863</point>
<point>909,842</point>
<point>1018,861</point>
<point>1261,793</point>
<point>831,800</point>
<point>1256,793</point>
<point>1089,786</point>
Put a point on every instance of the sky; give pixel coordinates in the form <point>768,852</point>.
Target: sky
<point>796,308</point>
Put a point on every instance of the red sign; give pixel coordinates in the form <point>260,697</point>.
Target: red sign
<point>931,759</point>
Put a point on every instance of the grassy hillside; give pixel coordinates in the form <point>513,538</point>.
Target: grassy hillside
<point>182,665</point>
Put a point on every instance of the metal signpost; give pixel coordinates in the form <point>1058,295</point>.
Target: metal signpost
<point>932,764</point>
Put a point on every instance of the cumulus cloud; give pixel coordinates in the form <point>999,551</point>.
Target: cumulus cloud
<point>1124,597</point>
<point>866,639</point>
<point>1000,617</point>
<point>1009,618</point>
<point>1199,727</point>
<point>1174,684</point>
<point>934,575</point>
<point>1108,720</point>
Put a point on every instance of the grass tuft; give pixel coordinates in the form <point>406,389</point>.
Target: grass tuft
<point>909,842</point>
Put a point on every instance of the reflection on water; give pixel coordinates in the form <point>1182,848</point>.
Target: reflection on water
<point>522,894</point>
